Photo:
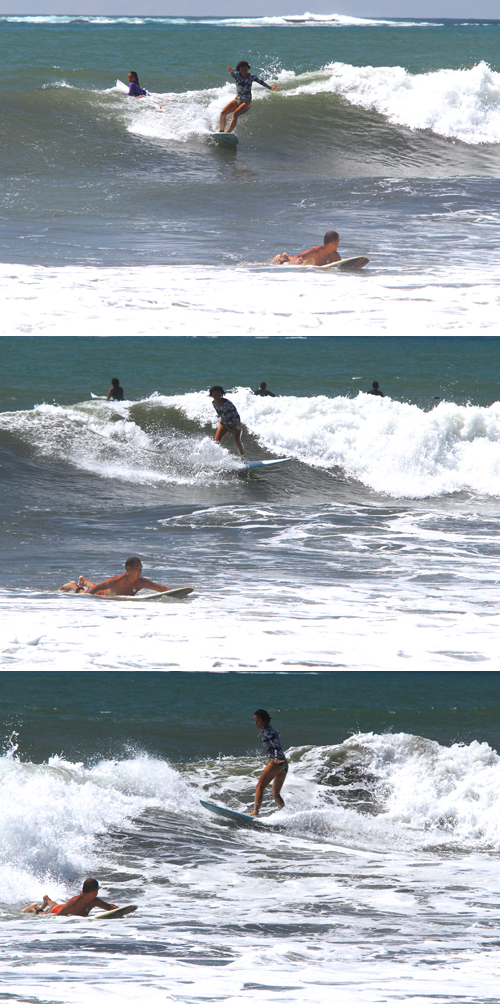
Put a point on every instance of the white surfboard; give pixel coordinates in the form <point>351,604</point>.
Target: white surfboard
<point>173,594</point>
<point>119,911</point>
<point>120,86</point>
<point>236,817</point>
<point>346,264</point>
<point>265,463</point>
<point>224,138</point>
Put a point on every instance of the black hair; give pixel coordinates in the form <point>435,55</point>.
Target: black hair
<point>115,381</point>
<point>263,715</point>
<point>243,63</point>
<point>332,235</point>
<point>375,384</point>
<point>133,562</point>
<point>263,384</point>
<point>133,74</point>
<point>90,885</point>
<point>217,387</point>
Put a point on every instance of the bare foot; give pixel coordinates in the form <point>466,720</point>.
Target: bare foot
<point>252,813</point>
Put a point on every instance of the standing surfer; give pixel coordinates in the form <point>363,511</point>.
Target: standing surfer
<point>241,103</point>
<point>229,419</point>
<point>277,768</point>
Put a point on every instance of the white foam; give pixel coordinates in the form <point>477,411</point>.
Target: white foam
<point>458,104</point>
<point>186,300</point>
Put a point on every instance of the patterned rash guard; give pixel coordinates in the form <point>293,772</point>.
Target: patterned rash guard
<point>272,742</point>
<point>228,416</point>
<point>244,87</point>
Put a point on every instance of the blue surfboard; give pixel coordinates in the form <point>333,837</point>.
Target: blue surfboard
<point>265,463</point>
<point>236,817</point>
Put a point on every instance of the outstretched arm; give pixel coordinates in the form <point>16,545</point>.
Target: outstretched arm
<point>148,584</point>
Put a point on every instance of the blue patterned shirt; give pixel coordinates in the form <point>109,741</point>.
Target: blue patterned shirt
<point>228,416</point>
<point>272,742</point>
<point>244,87</point>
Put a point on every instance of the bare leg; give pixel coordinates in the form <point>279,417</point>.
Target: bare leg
<point>240,110</point>
<point>76,587</point>
<point>270,773</point>
<point>221,432</point>
<point>277,786</point>
<point>237,439</point>
<point>34,908</point>
<point>231,107</point>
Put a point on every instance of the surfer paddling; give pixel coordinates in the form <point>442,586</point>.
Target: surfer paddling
<point>77,906</point>
<point>127,584</point>
<point>229,419</point>
<point>322,254</point>
<point>277,768</point>
<point>243,100</point>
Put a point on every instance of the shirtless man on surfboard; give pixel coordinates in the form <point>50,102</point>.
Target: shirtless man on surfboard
<point>77,906</point>
<point>322,254</point>
<point>127,584</point>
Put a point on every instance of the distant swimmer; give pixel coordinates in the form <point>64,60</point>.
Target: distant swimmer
<point>77,906</point>
<point>241,103</point>
<point>134,88</point>
<point>118,585</point>
<point>276,769</point>
<point>322,254</point>
<point>263,391</point>
<point>375,389</point>
<point>115,392</point>
<point>229,419</point>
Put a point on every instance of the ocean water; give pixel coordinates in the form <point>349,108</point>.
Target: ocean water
<point>125,218</point>
<point>352,591</point>
<point>377,882</point>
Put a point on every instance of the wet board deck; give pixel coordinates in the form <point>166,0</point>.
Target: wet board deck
<point>232,814</point>
<point>173,594</point>
<point>265,463</point>
<point>224,138</point>
<point>119,911</point>
<point>346,264</point>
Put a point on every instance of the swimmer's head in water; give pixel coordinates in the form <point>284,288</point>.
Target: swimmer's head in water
<point>261,716</point>
<point>331,237</point>
<point>243,65</point>
<point>90,885</point>
<point>133,76</point>
<point>216,389</point>
<point>115,382</point>
<point>375,384</point>
<point>263,384</point>
<point>133,563</point>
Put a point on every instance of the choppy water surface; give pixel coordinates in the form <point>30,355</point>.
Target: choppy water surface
<point>380,870</point>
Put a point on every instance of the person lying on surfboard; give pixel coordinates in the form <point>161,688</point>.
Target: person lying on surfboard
<point>276,769</point>
<point>322,254</point>
<point>77,906</point>
<point>229,420</point>
<point>118,585</point>
<point>241,103</point>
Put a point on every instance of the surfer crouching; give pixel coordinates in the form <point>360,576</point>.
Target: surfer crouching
<point>322,254</point>
<point>277,768</point>
<point>118,585</point>
<point>77,906</point>
<point>241,103</point>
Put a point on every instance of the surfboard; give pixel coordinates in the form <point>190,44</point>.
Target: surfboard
<point>120,86</point>
<point>179,593</point>
<point>98,397</point>
<point>119,911</point>
<point>346,264</point>
<point>224,138</point>
<point>236,817</point>
<point>173,594</point>
<point>266,463</point>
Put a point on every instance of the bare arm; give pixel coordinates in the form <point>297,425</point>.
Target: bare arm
<point>147,584</point>
<point>103,905</point>
<point>107,584</point>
